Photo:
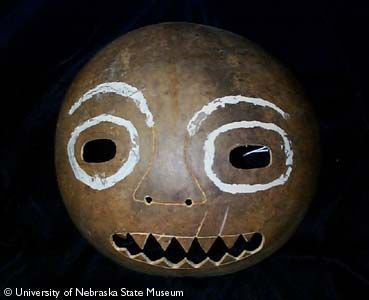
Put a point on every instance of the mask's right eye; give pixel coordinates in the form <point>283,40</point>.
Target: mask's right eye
<point>99,151</point>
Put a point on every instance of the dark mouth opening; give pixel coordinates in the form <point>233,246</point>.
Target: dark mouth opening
<point>196,254</point>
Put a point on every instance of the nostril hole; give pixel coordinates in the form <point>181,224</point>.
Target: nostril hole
<point>188,202</point>
<point>148,199</point>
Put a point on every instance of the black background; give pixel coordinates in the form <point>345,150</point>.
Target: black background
<point>325,44</point>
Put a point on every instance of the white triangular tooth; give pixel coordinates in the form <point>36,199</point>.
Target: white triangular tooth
<point>197,265</point>
<point>140,239</point>
<point>185,242</point>
<point>243,254</point>
<point>227,258</point>
<point>229,240</point>
<point>163,263</point>
<point>157,262</point>
<point>206,263</point>
<point>247,236</point>
<point>124,251</point>
<point>187,264</point>
<point>206,242</point>
<point>178,264</point>
<point>142,257</point>
<point>139,256</point>
<point>164,241</point>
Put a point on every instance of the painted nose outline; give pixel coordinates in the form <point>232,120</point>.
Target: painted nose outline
<point>156,186</point>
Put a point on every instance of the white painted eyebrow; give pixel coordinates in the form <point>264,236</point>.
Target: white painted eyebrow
<point>201,115</point>
<point>119,88</point>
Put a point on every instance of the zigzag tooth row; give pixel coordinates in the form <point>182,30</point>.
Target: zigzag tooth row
<point>186,242</point>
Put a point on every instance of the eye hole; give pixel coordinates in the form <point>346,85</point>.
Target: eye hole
<point>98,151</point>
<point>250,157</point>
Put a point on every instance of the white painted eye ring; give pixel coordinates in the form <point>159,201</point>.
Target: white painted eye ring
<point>97,182</point>
<point>209,153</point>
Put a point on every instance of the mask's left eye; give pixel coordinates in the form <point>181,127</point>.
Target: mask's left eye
<point>99,151</point>
<point>103,150</point>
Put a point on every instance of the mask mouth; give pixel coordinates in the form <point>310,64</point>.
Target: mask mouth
<point>176,252</point>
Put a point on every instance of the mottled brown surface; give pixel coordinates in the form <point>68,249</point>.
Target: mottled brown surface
<point>179,68</point>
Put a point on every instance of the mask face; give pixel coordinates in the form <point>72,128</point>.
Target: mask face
<point>183,149</point>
